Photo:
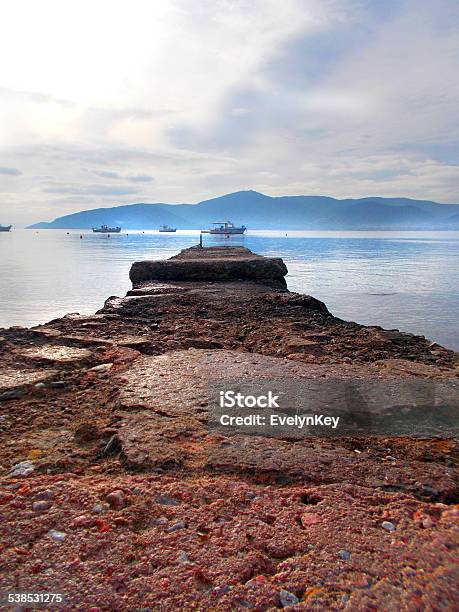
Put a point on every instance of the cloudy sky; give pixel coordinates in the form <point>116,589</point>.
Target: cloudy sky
<point>107,102</point>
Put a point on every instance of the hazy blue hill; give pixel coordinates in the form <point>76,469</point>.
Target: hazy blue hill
<point>454,221</point>
<point>130,216</point>
<point>440,210</point>
<point>259,211</point>
<point>373,215</point>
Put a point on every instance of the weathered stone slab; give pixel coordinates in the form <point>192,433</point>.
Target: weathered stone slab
<point>306,462</point>
<point>134,342</point>
<point>165,402</point>
<point>297,344</point>
<point>151,441</point>
<point>178,380</point>
<point>56,354</point>
<point>47,332</point>
<point>211,263</point>
<point>80,340</point>
<point>397,367</point>
<point>12,378</point>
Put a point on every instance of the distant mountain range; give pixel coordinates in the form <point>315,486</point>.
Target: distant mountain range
<point>259,211</point>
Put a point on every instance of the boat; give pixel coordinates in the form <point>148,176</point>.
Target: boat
<point>5,228</point>
<point>167,228</point>
<point>104,229</point>
<point>226,228</point>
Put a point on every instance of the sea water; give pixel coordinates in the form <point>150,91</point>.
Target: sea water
<point>404,280</point>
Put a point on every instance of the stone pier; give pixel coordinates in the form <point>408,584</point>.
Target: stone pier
<point>114,491</point>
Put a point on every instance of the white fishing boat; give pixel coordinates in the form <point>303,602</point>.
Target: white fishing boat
<point>104,229</point>
<point>226,228</point>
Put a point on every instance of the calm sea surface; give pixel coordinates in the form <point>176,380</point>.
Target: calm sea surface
<point>404,280</point>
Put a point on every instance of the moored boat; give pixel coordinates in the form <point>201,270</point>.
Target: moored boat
<point>104,229</point>
<point>167,228</point>
<point>226,228</point>
<point>5,228</point>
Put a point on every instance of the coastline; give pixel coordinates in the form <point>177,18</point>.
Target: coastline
<point>110,410</point>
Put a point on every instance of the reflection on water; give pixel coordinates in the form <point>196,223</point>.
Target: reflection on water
<point>405,280</point>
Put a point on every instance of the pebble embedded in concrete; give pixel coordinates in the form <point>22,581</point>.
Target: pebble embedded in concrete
<point>41,506</point>
<point>103,367</point>
<point>287,598</point>
<point>388,526</point>
<point>177,526</point>
<point>57,536</point>
<point>344,554</point>
<point>116,500</point>
<point>24,468</point>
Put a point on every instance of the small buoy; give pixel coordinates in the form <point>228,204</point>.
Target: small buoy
<point>68,233</point>
<point>81,237</point>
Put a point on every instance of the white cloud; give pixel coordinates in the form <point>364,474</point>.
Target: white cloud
<point>340,97</point>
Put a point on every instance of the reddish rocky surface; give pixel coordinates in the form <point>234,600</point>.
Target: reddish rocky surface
<point>123,499</point>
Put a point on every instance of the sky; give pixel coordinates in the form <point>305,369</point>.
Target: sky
<point>106,102</point>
